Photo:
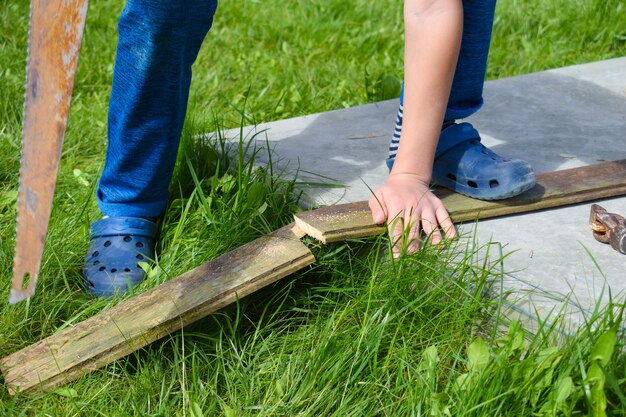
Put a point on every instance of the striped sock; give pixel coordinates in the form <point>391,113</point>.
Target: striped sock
<point>395,139</point>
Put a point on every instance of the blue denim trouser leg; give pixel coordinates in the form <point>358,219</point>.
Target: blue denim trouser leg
<point>466,95</point>
<point>158,42</point>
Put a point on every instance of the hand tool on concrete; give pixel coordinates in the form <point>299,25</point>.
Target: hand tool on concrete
<point>55,35</point>
<point>608,228</point>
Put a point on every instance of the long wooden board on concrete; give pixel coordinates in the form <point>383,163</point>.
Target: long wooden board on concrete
<point>553,189</point>
<point>147,317</point>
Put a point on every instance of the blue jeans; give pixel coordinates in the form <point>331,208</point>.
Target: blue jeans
<point>466,95</point>
<point>158,42</point>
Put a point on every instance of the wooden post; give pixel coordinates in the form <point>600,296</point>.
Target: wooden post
<point>147,317</point>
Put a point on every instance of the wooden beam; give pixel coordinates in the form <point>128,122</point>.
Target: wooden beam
<point>147,317</point>
<point>553,189</point>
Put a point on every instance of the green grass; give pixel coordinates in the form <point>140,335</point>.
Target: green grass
<point>354,335</point>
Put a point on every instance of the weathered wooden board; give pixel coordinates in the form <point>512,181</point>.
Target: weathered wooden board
<point>145,318</point>
<point>570,186</point>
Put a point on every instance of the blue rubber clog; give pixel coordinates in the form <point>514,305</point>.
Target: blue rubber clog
<point>464,165</point>
<point>118,244</point>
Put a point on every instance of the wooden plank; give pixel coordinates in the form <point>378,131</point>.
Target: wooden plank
<point>137,322</point>
<point>147,317</point>
<point>553,189</point>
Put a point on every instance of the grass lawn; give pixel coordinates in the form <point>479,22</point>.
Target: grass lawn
<point>355,335</point>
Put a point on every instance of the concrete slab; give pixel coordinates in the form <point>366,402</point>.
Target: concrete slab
<point>556,119</point>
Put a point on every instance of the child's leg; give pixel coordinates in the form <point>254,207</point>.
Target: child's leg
<point>461,162</point>
<point>466,95</point>
<point>158,42</point>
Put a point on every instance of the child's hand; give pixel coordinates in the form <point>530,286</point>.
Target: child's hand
<point>405,201</point>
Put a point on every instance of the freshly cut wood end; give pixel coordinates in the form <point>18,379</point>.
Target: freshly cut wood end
<point>298,232</point>
<point>306,229</point>
<point>337,223</point>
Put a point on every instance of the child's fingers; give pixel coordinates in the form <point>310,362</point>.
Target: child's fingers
<point>414,246</point>
<point>378,207</point>
<point>443,218</point>
<point>414,233</point>
<point>429,226</point>
<point>396,233</point>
